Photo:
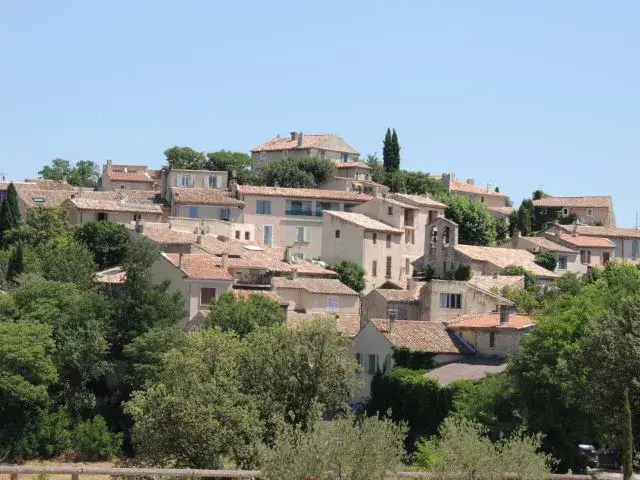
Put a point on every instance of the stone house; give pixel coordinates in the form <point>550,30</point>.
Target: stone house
<point>626,240</point>
<point>354,177</point>
<point>592,251</point>
<point>568,260</point>
<point>317,295</point>
<point>300,145</point>
<point>120,206</point>
<point>127,177</point>
<point>443,254</point>
<point>588,210</point>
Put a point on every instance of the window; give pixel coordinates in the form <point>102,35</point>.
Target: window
<point>333,303</point>
<point>320,206</point>
<point>263,156</point>
<point>102,216</point>
<point>193,212</point>
<point>207,295</point>
<point>136,217</point>
<point>237,234</point>
<point>337,233</point>
<point>635,246</point>
<point>481,199</point>
<point>585,257</point>
<point>371,363</point>
<point>565,211</point>
<point>213,181</point>
<point>407,266</point>
<point>285,154</point>
<point>302,234</point>
<point>388,240</point>
<point>322,153</point>
<point>348,207</point>
<point>359,358</point>
<point>403,313</point>
<point>562,262</point>
<point>450,300</point>
<point>298,207</point>
<point>447,233</point>
<point>267,235</point>
<point>225,214</point>
<point>606,257</point>
<point>434,236</point>
<point>344,157</point>
<point>185,180</point>
<point>374,237</point>
<point>263,207</point>
<point>590,212</point>
<point>374,268</point>
<point>492,340</point>
<point>389,210</point>
<point>247,236</point>
<point>388,272</point>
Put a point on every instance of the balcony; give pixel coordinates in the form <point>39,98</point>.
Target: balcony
<point>298,212</point>
<point>253,279</point>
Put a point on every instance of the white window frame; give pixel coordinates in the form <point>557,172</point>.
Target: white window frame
<point>200,296</point>
<point>264,228</point>
<point>562,259</point>
<point>184,178</point>
<point>215,181</point>
<point>451,301</point>
<point>565,211</point>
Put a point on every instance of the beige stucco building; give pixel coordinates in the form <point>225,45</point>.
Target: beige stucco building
<point>354,177</point>
<point>293,216</point>
<point>568,260</point>
<point>375,245</point>
<point>626,240</point>
<point>588,210</point>
<point>298,145</point>
<point>315,295</point>
<point>120,206</point>
<point>127,177</point>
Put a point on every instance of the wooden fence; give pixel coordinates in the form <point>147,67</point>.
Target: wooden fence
<point>133,473</point>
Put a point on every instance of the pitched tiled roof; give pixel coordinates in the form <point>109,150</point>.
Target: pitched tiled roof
<point>420,336</point>
<point>588,202</point>
<point>325,141</point>
<point>273,296</point>
<point>36,197</point>
<point>352,165</point>
<point>124,205</point>
<point>365,222</point>
<point>44,184</point>
<point>504,257</point>
<point>314,193</point>
<point>399,204</point>
<point>346,323</point>
<point>329,286</point>
<point>608,232</point>
<point>399,296</point>
<point>198,266</point>
<point>138,177</point>
<point>502,210</point>
<point>203,196</point>
<point>584,241</point>
<point>469,368</point>
<point>547,244</point>
<point>464,187</point>
<point>419,200</point>
<point>490,282</point>
<point>490,321</point>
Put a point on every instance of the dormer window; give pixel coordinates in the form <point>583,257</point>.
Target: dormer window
<point>38,199</point>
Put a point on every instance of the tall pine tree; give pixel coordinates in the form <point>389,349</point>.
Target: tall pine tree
<point>9,213</point>
<point>395,152</point>
<point>16,263</point>
<point>386,151</point>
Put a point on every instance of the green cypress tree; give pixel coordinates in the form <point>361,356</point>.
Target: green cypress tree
<point>5,221</point>
<point>386,151</point>
<point>16,263</point>
<point>12,203</point>
<point>395,152</point>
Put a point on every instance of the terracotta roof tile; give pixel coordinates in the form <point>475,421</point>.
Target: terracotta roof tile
<point>491,321</point>
<point>137,177</point>
<point>587,201</point>
<point>504,257</point>
<point>198,266</point>
<point>420,336</point>
<point>352,165</point>
<point>584,241</point>
<point>324,141</point>
<point>203,196</point>
<point>610,232</point>
<point>35,197</point>
<point>365,222</point>
<point>468,368</point>
<point>490,282</point>
<point>399,296</point>
<point>124,205</point>
<point>346,323</point>
<point>314,193</point>
<point>464,187</point>
<point>419,200</point>
<point>329,286</point>
<point>271,295</point>
<point>502,210</point>
<point>548,244</point>
<point>44,184</point>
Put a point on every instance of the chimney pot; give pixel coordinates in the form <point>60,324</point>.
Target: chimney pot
<point>470,181</point>
<point>575,229</point>
<point>294,135</point>
<point>294,273</point>
<point>225,260</point>
<point>180,260</point>
<point>505,314</point>
<point>300,137</point>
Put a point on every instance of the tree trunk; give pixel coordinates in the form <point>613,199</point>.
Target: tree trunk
<point>627,439</point>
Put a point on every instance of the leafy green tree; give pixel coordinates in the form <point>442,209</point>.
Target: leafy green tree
<point>79,320</point>
<point>348,448</point>
<point>92,441</point>
<point>476,225</point>
<point>627,439</point>
<point>377,170</point>
<point>523,219</point>
<point>546,260</point>
<point>464,446</point>
<point>196,414</point>
<point>419,183</point>
<point>350,273</point>
<point>184,157</point>
<point>40,226</point>
<point>56,170</point>
<point>395,151</point>
<point>243,315</point>
<point>27,371</point>
<point>63,259</point>
<point>106,240</point>
<point>526,301</point>
<point>300,371</point>
<point>286,173</point>
<point>16,263</point>
<point>233,162</point>
<point>320,168</point>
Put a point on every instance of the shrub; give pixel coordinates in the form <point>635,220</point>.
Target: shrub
<point>350,273</point>
<point>92,440</point>
<point>403,357</point>
<point>463,273</point>
<point>546,260</point>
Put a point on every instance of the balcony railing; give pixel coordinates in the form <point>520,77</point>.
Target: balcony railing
<point>298,212</point>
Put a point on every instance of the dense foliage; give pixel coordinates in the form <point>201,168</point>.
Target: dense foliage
<point>391,152</point>
<point>243,315</point>
<point>350,273</point>
<point>476,225</point>
<point>85,173</point>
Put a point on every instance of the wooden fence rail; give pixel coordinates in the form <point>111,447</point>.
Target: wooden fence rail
<point>131,473</point>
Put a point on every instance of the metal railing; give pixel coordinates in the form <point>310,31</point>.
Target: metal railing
<point>131,473</point>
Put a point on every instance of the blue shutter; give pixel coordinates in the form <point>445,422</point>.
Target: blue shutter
<point>193,212</point>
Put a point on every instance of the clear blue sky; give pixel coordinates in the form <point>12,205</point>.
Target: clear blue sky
<point>544,95</point>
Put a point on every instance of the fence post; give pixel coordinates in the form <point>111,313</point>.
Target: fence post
<point>75,476</point>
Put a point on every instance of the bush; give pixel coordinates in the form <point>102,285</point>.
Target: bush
<point>546,260</point>
<point>92,441</point>
<point>463,273</point>
<point>403,357</point>
<point>350,273</point>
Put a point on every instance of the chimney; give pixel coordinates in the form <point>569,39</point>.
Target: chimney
<point>225,260</point>
<point>288,254</point>
<point>411,284</point>
<point>300,137</point>
<point>198,239</point>
<point>294,135</point>
<point>575,229</point>
<point>515,239</point>
<point>470,181</point>
<point>233,187</point>
<point>294,274</point>
<point>505,314</point>
<point>64,180</point>
<point>180,260</point>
